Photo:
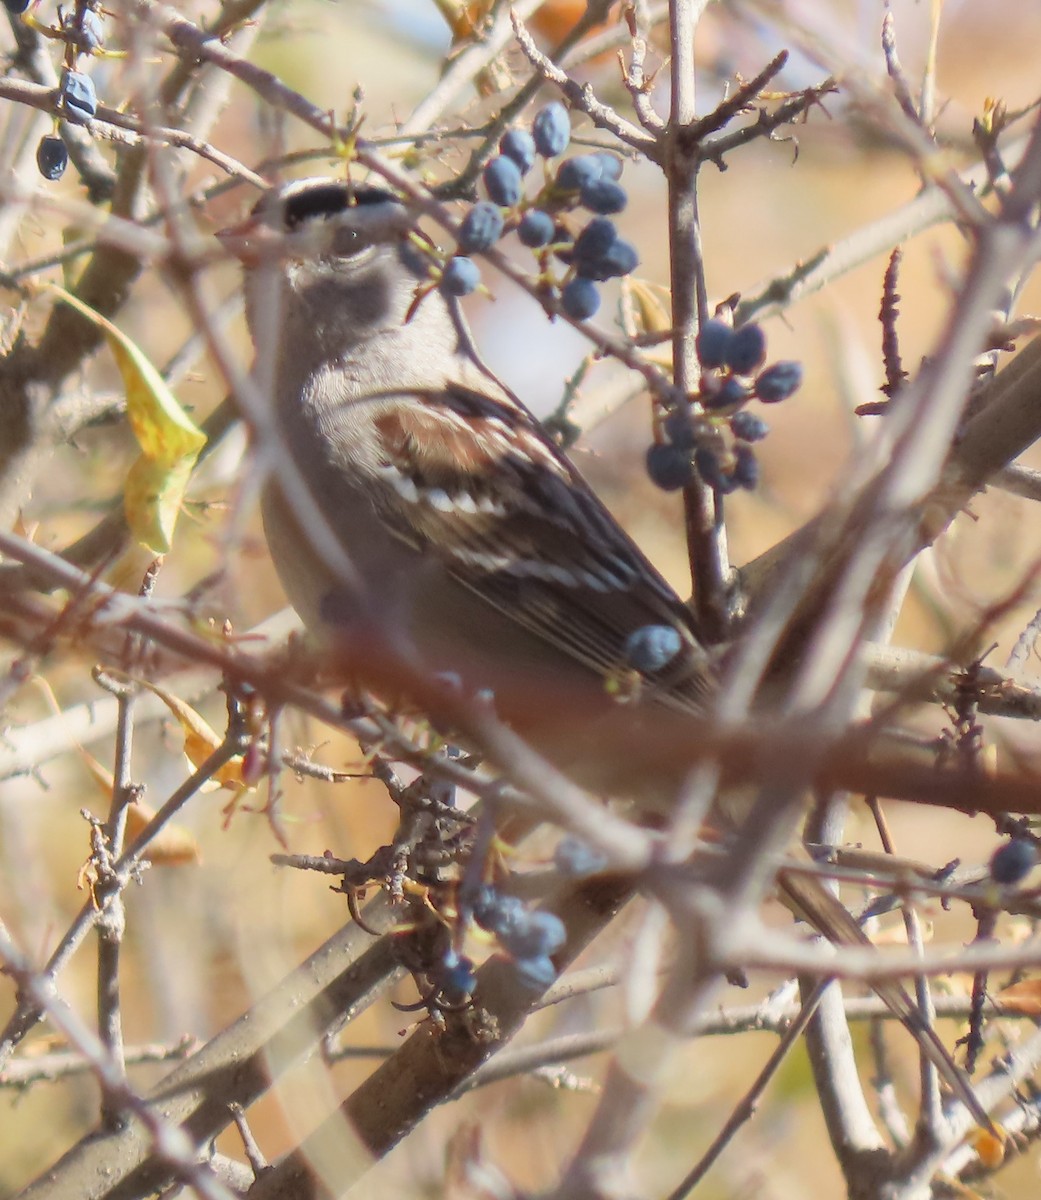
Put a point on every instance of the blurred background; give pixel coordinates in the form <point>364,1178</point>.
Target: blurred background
<point>213,929</point>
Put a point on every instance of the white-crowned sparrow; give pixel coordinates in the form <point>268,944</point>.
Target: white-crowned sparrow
<point>480,546</point>
<point>476,543</point>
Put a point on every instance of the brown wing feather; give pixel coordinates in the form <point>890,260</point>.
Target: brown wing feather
<point>517,525</point>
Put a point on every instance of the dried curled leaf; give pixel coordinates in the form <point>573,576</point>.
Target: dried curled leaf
<point>200,741</point>
<point>169,440</point>
<point>1023,997</point>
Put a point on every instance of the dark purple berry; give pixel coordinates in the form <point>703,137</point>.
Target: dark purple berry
<point>457,977</point>
<point>595,240</point>
<point>746,350</point>
<point>541,933</point>
<point>745,472</point>
<point>495,911</point>
<point>577,858</point>
<point>551,130</point>
<point>502,178</point>
<point>730,391</point>
<point>535,229</point>
<point>652,647</point>
<point>679,430</point>
<point>52,158</point>
<point>778,382</point>
<point>599,253</point>
<point>669,467</point>
<point>711,472</point>
<point>460,277</point>
<point>603,196</point>
<point>481,227</point>
<point>713,343</point>
<point>16,6</point>
<point>579,298</point>
<point>535,974</point>
<point>519,145</point>
<point>620,260</point>
<point>1013,861</point>
<point>610,165</point>
<point>748,427</point>
<point>78,97</point>
<point>575,173</point>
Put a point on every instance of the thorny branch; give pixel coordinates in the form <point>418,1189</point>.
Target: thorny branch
<point>810,605</point>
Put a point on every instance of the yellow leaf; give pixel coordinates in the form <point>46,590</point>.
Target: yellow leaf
<point>152,498</point>
<point>169,440</point>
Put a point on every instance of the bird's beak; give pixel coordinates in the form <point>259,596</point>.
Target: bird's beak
<point>252,241</point>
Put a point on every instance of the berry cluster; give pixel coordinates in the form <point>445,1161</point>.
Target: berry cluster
<point>544,222</point>
<point>529,938</point>
<point>82,33</point>
<point>733,374</point>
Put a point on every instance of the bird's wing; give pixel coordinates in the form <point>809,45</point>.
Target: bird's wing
<point>475,480</point>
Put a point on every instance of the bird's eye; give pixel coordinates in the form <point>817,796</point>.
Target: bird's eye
<point>346,241</point>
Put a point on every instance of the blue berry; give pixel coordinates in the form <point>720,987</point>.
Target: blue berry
<point>551,130</point>
<point>460,277</point>
<point>502,178</point>
<point>669,466</point>
<point>457,977</point>
<point>713,344</point>
<point>16,6</point>
<point>711,472</point>
<point>78,97</point>
<point>599,253</point>
<point>616,261</point>
<point>610,165</point>
<point>495,911</point>
<point>519,145</point>
<point>52,158</point>
<point>542,933</point>
<point>730,391</point>
<point>746,467</point>
<point>679,430</point>
<point>89,36</point>
<point>577,858</point>
<point>595,240</point>
<point>481,227</point>
<point>535,974</point>
<point>1014,860</point>
<point>579,298</point>
<point>535,229</point>
<point>652,647</point>
<point>746,350</point>
<point>575,173</point>
<point>778,382</point>
<point>603,196</point>
<point>748,427</point>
